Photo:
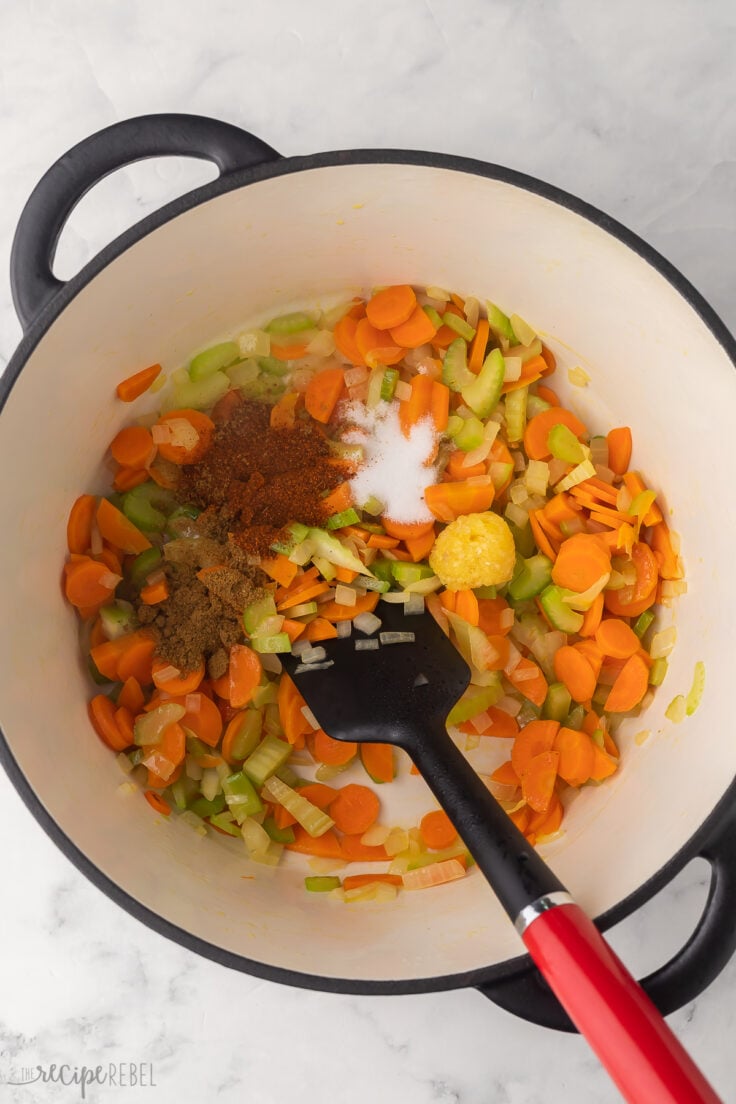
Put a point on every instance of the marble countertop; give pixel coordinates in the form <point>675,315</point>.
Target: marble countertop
<point>633,107</point>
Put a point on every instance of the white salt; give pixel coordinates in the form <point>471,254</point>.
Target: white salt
<point>394,469</point>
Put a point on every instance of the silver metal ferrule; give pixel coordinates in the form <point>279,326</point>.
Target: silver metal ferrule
<point>531,911</point>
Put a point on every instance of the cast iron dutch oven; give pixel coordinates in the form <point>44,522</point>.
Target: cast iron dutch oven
<point>270,232</point>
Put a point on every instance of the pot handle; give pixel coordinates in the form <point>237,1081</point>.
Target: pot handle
<point>86,164</point>
<point>687,973</point>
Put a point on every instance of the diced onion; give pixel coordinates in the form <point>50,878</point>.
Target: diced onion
<point>509,705</point>
<point>397,637</point>
<point>403,391</point>
<point>438,293</point>
<point>506,618</point>
<point>193,821</point>
<point>537,477</point>
<point>513,661</point>
<point>124,763</point>
<point>269,626</point>
<point>471,742</point>
<point>396,842</point>
<point>321,865</point>
<point>161,433</point>
<point>345,595</point>
<point>414,606</point>
<point>477,455</point>
<point>271,663</point>
<point>676,710</point>
<point>434,874</point>
<point>472,311</point>
<point>519,492</point>
<point>604,472</point>
<point>511,369</point>
<point>301,646</point>
<point>586,598</point>
<point>193,703</point>
<point>367,623</point>
<point>344,629</point>
<point>578,377</point>
<point>322,344</point>
<point>479,481</point>
<point>519,461</point>
<point>127,788</point>
<point>110,579</point>
<point>671,588</point>
<point>367,645</point>
<point>514,513</point>
<point>376,835</point>
<point>624,498</point>
<point>183,434</point>
<point>309,717</point>
<point>599,450</point>
<point>314,655</point>
<point>663,642</point>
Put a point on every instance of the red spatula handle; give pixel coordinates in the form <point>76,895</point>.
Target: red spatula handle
<point>609,1008</point>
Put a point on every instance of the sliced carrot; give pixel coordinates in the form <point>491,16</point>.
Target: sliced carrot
<point>345,575</point>
<point>669,565</point>
<point>478,346</point>
<point>245,674</point>
<point>290,703</point>
<point>184,683</point>
<point>115,527</point>
<point>445,334</point>
<point>157,803</point>
<point>338,500</point>
<point>281,569</point>
<point>293,629</point>
<point>538,780</point>
<point>102,715</point>
<point>420,547</point>
<point>392,306</point>
<point>505,775</point>
<point>592,617</point>
<point>521,817</point>
<point>379,540</point>
<point>133,447</point>
<point>630,686</point>
<point>355,809</point>
<point>131,696</point>
<point>535,689</point>
<point>448,600</point>
<point>124,721</point>
<point>448,501</point>
<point>172,744</point>
<point>538,428</point>
<point>326,846</point>
<point>200,423</point>
<point>334,611</point>
<point>136,660</point>
<point>378,760</point>
<point>344,335</point>
<point>302,594</point>
<point>88,583</point>
<point>608,744</point>
<point>550,361</point>
<point>403,531</point>
<point>457,469</point>
<point>581,562</point>
<point>283,412</point>
<point>493,617</point>
<point>561,508</point>
<point>288,352</point>
<point>333,752</point>
<point>437,830</point>
<point>319,794</point>
<point>417,330</point>
<point>466,606</point>
<point>440,406</point>
<point>636,485</point>
<point>576,756</point>
<point>357,881</point>
<point>592,653</point>
<point>355,531</point>
<point>615,638</point>
<point>547,822</point>
<point>541,538</point>
<point>572,668</point>
<point>632,600</point>
<point>376,346</point>
<point>619,449</point>
<point>503,725</point>
<point>603,765</point>
<point>154,593</point>
<point>547,393</point>
<point>323,391</point>
<point>79,525</point>
<point>134,386</point>
<point>355,851</point>
<point>320,629</point>
<point>530,372</point>
<point>127,478</point>
<point>534,738</point>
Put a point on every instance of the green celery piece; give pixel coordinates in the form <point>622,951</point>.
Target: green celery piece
<point>205,364</point>
<point>243,373</point>
<point>643,622</point>
<point>183,791</point>
<point>290,777</point>
<point>118,619</point>
<point>292,323</point>
<point>459,325</point>
<point>374,507</point>
<point>560,615</point>
<point>471,434</point>
<point>204,808</point>
<point>345,517</point>
<point>142,566</point>
<point>434,316</point>
<point>564,445</point>
<point>575,718</point>
<point>196,394</point>
<point>475,700</point>
<point>406,573</point>
<point>149,727</point>
<point>384,569</point>
<point>248,735</point>
<point>266,694</point>
<point>532,576</point>
<point>241,797</point>
<point>179,522</point>
<point>147,506</point>
<point>455,372</point>
<point>257,612</point>
<point>483,391</point>
<point>558,702</point>
<point>657,671</point>
<point>388,383</point>
<point>321,883</point>
<point>454,851</point>
<point>272,366</point>
<point>516,414</point>
<point>695,693</point>
<point>523,538</point>
<point>454,425</point>
<point>270,754</point>
<point>271,645</point>
<point>486,592</point>
<point>325,568</point>
<point>535,405</point>
<point>328,546</point>
<point>375,584</point>
<point>278,835</point>
<point>499,323</point>
<point>225,822</point>
<point>500,473</point>
<point>291,537</point>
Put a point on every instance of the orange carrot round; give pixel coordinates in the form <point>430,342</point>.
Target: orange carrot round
<point>493,617</point>
<point>184,683</point>
<point>245,674</point>
<point>448,501</point>
<point>478,346</point>
<point>619,449</point>
<point>344,335</point>
<point>630,686</point>
<point>332,752</point>
<point>391,306</point>
<point>376,344</point>
<point>534,738</point>
<point>102,715</point>
<point>357,881</point>
<point>79,525</point>
<point>131,696</point>
<point>157,803</point>
<point>133,447</point>
<point>538,427</point>
<point>404,531</point>
<point>116,528</point>
<point>187,454</point>
<point>576,756</point>
<point>354,809</point>
<point>615,638</point>
<point>323,391</point>
<point>572,668</point>
<point>88,583</point>
<point>134,386</point>
<point>632,600</point>
<point>378,760</point>
<point>538,780</point>
<point>581,561</point>
<point>437,830</point>
<point>417,330</point>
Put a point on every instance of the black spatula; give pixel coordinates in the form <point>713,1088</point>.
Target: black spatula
<point>401,693</point>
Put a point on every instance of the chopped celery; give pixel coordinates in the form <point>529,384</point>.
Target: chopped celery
<point>345,517</point>
<point>696,690</point>
<point>204,808</point>
<point>454,851</point>
<point>270,754</point>
<point>598,738</point>
<point>183,791</point>
<point>388,383</point>
<point>434,316</point>
<point>384,569</point>
<point>375,385</point>
<point>657,672</point>
<point>523,538</point>
<point>459,325</point>
<point>118,619</point>
<point>482,393</point>
<point>327,545</point>
<point>271,645</point>
<point>290,323</point>
<point>143,565</point>
<point>225,822</point>
<point>272,366</point>
<point>582,471</point>
<point>454,425</point>
<point>197,394</point>
<point>213,359</point>
<point>257,612</point>
<point>266,694</point>
<point>313,820</point>
<point>406,573</point>
<point>499,323</point>
<point>373,506</point>
<point>643,622</point>
<point>535,405</point>
<point>325,568</point>
<point>280,835</point>
<point>557,703</point>
<point>516,414</point>
<point>575,718</point>
<point>241,797</point>
<point>302,609</point>
<point>149,727</point>
<point>244,373</point>
<point>321,883</point>
<point>522,329</point>
<point>471,434</point>
<point>475,701</point>
<point>291,537</point>
<point>247,736</point>
<point>147,506</point>
<point>179,522</point>
<point>558,613</point>
<point>455,372</point>
<point>375,584</point>
<point>564,445</point>
<point>290,777</point>
<point>530,577</point>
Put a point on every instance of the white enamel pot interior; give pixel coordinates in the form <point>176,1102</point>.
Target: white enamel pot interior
<point>308,236</point>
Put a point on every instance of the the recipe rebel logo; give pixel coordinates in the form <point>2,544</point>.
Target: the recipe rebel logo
<point>115,1075</point>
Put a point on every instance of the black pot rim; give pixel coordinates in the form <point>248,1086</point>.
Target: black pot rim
<point>35,333</point>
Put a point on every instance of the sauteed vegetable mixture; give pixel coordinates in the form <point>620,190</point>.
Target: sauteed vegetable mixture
<point>407,447</point>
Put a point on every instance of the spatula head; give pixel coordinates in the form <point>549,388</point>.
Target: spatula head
<point>388,695</point>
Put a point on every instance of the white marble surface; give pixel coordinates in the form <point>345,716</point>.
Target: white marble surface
<point>633,107</point>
